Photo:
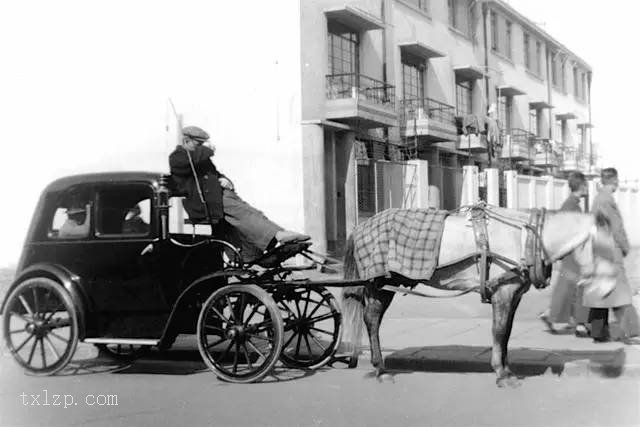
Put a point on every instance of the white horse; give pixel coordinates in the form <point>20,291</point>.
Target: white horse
<point>584,237</point>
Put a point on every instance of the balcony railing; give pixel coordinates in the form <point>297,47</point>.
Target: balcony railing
<point>342,86</point>
<point>518,144</point>
<point>427,108</point>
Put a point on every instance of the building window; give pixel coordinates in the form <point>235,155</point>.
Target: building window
<point>419,4</point>
<point>554,71</point>
<point>459,16</point>
<point>507,40</point>
<point>343,50</point>
<point>563,77</point>
<point>537,58</point>
<point>412,77</point>
<point>533,122</point>
<point>505,104</point>
<point>584,86</point>
<point>494,32</point>
<point>576,83</point>
<point>527,52</point>
<point>464,97</point>
<point>557,134</point>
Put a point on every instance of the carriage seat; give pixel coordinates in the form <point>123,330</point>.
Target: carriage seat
<point>217,225</point>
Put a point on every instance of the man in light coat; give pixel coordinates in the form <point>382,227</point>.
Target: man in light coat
<point>620,298</point>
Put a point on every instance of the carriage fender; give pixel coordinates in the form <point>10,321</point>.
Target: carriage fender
<point>193,287</point>
<point>63,276</point>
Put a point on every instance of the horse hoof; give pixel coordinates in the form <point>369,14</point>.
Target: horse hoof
<point>385,378</point>
<point>353,363</point>
<point>510,381</point>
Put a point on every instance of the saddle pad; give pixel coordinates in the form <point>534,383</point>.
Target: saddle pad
<point>402,241</point>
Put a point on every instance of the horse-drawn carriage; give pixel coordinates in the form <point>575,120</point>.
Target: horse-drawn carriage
<point>135,279</point>
<point>126,277</point>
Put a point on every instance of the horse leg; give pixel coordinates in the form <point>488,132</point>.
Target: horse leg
<point>376,303</point>
<point>504,300</point>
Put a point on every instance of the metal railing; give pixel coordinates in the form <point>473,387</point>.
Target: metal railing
<point>341,86</point>
<point>522,137</point>
<point>423,108</point>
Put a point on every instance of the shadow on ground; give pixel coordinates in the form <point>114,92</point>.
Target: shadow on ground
<point>174,362</point>
<point>523,361</point>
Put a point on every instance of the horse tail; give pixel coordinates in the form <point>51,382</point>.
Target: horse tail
<point>352,305</point>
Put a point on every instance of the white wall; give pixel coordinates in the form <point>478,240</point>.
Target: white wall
<point>85,87</point>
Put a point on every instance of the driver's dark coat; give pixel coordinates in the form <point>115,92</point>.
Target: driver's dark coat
<point>207,176</point>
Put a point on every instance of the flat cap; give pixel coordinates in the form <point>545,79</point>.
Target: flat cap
<point>195,132</point>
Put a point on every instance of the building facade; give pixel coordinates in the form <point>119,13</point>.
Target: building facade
<point>399,94</point>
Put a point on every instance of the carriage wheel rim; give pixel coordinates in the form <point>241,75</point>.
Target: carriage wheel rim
<point>40,326</point>
<point>238,321</point>
<point>304,331</point>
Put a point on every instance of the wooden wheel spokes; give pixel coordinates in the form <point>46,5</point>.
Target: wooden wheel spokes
<point>239,333</point>
<point>40,327</point>
<point>312,326</point>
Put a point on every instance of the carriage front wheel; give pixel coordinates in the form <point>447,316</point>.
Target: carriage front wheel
<point>240,333</point>
<point>40,326</point>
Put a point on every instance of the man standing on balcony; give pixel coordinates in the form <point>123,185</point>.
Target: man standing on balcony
<point>620,298</point>
<point>566,298</point>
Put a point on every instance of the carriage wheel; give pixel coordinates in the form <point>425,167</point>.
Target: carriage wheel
<point>123,352</point>
<point>240,333</point>
<point>40,326</point>
<point>312,326</point>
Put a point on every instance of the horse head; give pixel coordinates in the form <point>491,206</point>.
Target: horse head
<point>588,240</point>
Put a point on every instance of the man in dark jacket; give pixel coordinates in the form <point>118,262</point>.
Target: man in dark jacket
<point>220,199</point>
<point>566,298</point>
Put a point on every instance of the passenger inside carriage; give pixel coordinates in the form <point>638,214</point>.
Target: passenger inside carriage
<point>213,196</point>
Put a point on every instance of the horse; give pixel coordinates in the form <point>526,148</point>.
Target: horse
<point>507,274</point>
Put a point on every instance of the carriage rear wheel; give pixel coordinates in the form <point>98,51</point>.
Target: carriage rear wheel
<point>240,333</point>
<point>312,326</point>
<point>40,326</point>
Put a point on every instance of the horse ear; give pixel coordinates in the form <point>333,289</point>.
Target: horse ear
<point>602,221</point>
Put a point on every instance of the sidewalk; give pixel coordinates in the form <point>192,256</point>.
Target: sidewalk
<point>464,345</point>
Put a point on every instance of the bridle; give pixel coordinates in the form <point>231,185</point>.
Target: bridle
<point>534,266</point>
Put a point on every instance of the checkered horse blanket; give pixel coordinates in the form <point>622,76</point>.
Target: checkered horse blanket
<point>402,241</point>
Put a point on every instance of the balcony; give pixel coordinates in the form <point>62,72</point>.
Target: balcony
<point>545,156</point>
<point>473,142</point>
<point>428,120</point>
<point>517,145</point>
<point>573,160</point>
<point>360,101</point>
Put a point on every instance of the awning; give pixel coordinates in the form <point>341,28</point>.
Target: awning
<point>566,116</point>
<point>510,91</point>
<point>468,72</point>
<point>539,105</point>
<point>421,50</point>
<point>354,18</point>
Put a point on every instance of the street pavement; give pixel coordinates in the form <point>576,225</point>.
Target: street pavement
<point>438,353</point>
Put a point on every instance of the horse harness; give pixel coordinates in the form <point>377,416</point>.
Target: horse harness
<point>533,266</point>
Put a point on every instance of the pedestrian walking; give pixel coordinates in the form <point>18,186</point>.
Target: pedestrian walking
<point>619,300</point>
<point>566,297</point>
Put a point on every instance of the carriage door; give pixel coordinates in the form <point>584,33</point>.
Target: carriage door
<point>126,290</point>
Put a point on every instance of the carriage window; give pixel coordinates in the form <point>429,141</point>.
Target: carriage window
<point>72,217</point>
<point>124,211</point>
<point>70,222</point>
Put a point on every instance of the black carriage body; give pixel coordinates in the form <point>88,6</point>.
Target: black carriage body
<point>127,281</point>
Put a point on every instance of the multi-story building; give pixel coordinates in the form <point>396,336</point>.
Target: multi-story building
<point>388,84</point>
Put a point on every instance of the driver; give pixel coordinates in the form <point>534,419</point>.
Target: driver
<point>219,194</point>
